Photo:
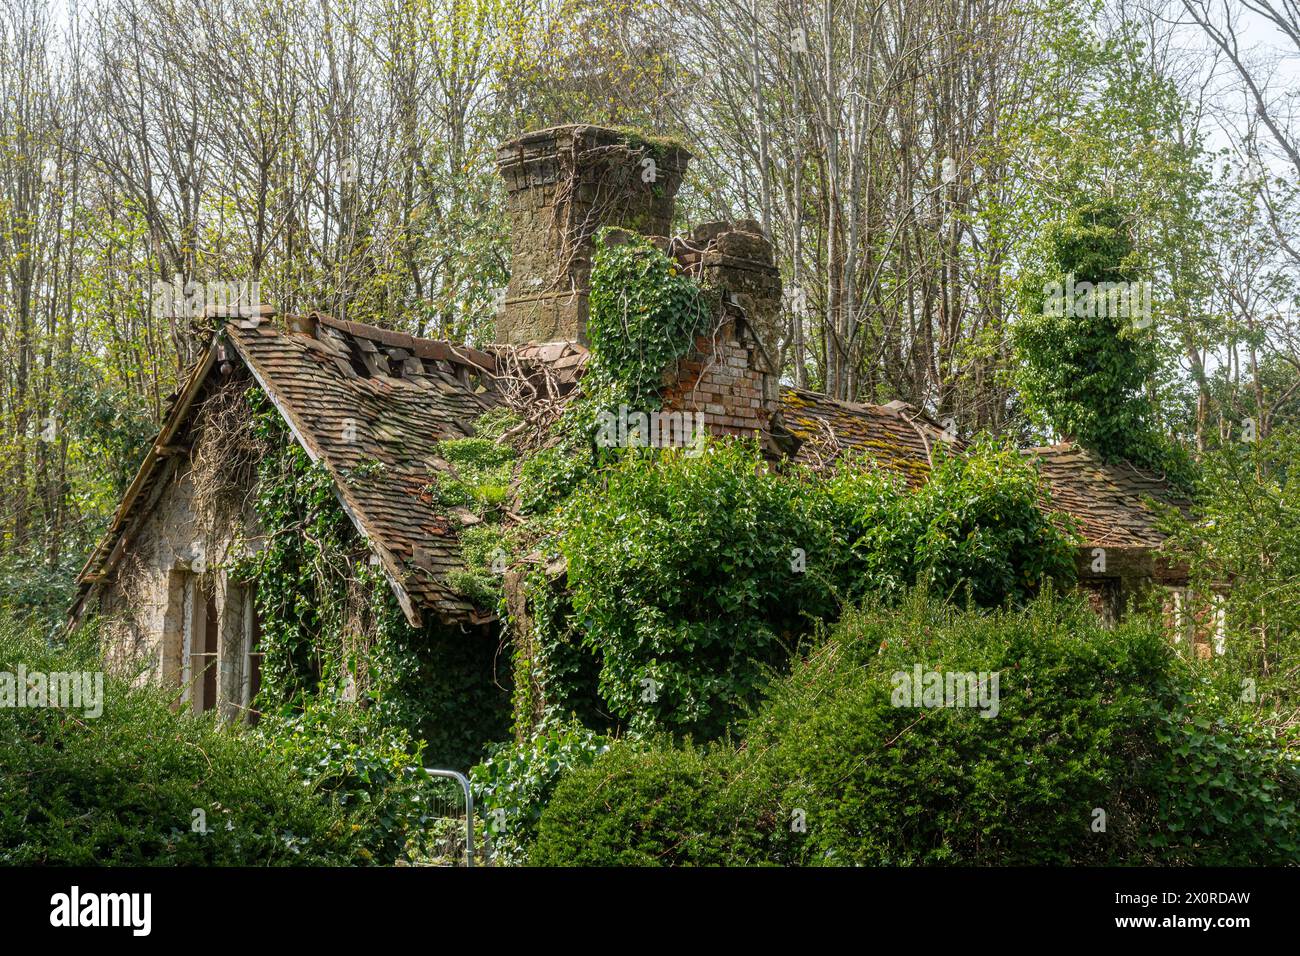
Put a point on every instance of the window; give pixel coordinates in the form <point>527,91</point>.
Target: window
<point>1199,619</point>
<point>252,656</point>
<point>200,643</point>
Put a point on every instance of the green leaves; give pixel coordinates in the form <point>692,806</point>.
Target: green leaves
<point>644,314</point>
<point>702,573</point>
<point>1089,719</point>
<point>680,569</point>
<point>514,783</point>
<point>1084,368</point>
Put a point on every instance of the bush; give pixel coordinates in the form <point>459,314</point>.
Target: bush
<point>1086,720</point>
<point>886,785</point>
<point>131,786</point>
<point>684,582</point>
<point>974,528</point>
<point>1246,530</point>
<point>368,771</point>
<point>653,806</point>
<point>693,578</point>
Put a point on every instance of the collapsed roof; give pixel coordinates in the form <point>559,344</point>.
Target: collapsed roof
<point>352,394</point>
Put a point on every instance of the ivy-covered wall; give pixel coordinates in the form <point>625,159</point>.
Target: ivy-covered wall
<point>332,630</point>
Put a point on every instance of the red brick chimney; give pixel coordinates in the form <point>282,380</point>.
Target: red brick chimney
<point>732,376</point>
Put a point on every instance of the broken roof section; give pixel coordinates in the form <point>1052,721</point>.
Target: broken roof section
<point>368,405</point>
<point>355,395</point>
<point>1115,505</point>
<point>897,436</point>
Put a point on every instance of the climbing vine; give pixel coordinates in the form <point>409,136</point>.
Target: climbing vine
<point>644,316</point>
<point>332,632</point>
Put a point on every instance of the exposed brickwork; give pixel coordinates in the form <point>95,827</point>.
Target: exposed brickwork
<point>732,376</point>
<point>723,379</point>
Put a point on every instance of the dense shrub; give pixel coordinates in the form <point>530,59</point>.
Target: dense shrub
<point>693,576</point>
<point>1087,720</point>
<point>684,581</point>
<point>642,805</point>
<point>123,788</point>
<point>1246,530</point>
<point>885,784</point>
<point>369,771</point>
<point>975,527</point>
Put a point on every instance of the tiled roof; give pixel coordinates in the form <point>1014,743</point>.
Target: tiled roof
<point>354,395</point>
<point>1109,501</point>
<point>897,436</point>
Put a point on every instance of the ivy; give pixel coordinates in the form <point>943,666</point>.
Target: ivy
<point>691,579</point>
<point>1082,369</point>
<point>334,636</point>
<point>644,314</point>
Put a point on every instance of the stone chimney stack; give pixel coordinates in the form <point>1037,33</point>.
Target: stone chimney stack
<point>562,186</point>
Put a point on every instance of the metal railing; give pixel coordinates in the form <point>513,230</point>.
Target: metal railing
<point>461,779</point>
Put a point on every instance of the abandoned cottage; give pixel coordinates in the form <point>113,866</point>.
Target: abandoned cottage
<point>364,408</point>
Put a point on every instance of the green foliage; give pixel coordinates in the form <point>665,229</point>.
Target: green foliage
<point>682,573</point>
<point>100,436</point>
<point>974,528</point>
<point>1223,789</point>
<point>121,789</point>
<point>652,806</point>
<point>496,423</point>
<point>515,781</point>
<point>1083,366</point>
<point>331,626</point>
<point>37,590</point>
<point>692,577</point>
<point>301,573</point>
<point>890,785</point>
<point>1245,532</point>
<point>369,770</point>
<point>484,550</point>
<point>551,475</point>
<point>644,314</point>
<point>482,474</point>
<point>1086,719</point>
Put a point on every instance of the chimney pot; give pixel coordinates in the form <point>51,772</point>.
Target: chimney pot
<point>562,186</point>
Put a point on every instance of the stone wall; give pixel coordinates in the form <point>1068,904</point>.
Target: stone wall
<point>142,602</point>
